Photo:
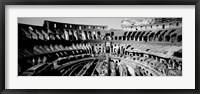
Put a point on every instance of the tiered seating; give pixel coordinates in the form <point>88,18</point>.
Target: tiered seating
<point>160,50</point>
<point>156,57</point>
<point>69,50</point>
<point>55,46</point>
<point>164,68</point>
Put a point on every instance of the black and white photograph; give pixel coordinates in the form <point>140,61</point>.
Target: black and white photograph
<point>99,46</point>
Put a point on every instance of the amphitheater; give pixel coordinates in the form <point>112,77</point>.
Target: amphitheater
<point>142,47</point>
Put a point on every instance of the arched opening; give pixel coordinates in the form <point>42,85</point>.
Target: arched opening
<point>133,35</point>
<point>163,26</point>
<point>179,38</point>
<point>107,49</point>
<point>125,33</point>
<point>120,37</point>
<point>124,37</point>
<point>161,36</point>
<point>99,34</point>
<point>167,38</point>
<point>132,38</point>
<point>173,38</point>
<point>137,36</point>
<point>86,35</point>
<point>157,35</point>
<point>107,36</point>
<point>89,35</point>
<point>112,33</point>
<point>145,38</point>
<point>128,38</point>
<point>141,35</point>
<point>115,37</point>
<point>151,36</point>
<point>177,24</point>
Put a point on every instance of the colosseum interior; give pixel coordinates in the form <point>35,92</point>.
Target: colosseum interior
<point>142,47</point>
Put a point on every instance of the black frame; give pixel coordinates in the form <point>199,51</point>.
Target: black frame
<point>3,3</point>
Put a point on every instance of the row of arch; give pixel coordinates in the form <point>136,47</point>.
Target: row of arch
<point>172,35</point>
<point>154,26</point>
<point>165,66</point>
<point>55,25</point>
<point>27,32</point>
<point>166,35</point>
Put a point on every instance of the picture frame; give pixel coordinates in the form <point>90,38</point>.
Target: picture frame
<point>97,91</point>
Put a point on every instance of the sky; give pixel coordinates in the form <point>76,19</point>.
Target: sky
<point>111,22</point>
